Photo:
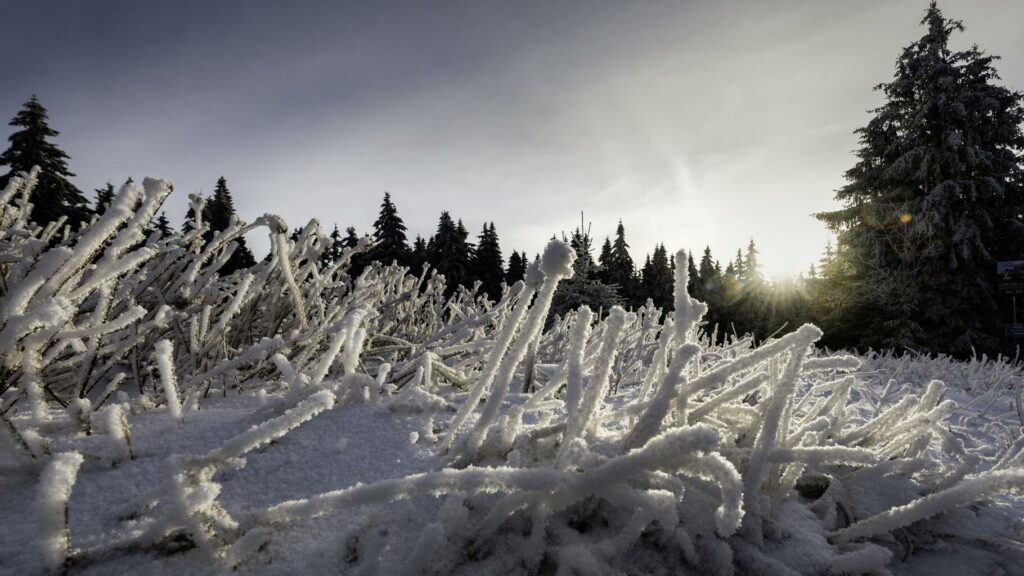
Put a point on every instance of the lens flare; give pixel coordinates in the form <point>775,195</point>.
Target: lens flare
<point>906,217</point>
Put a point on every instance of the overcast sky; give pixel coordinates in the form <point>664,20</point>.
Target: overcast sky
<point>695,123</point>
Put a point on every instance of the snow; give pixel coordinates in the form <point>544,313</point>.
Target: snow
<point>322,424</point>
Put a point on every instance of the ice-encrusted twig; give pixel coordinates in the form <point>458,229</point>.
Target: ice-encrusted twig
<point>54,490</point>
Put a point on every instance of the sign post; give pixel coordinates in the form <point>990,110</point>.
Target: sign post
<point>1011,281</point>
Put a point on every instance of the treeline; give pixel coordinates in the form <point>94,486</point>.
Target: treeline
<point>740,299</point>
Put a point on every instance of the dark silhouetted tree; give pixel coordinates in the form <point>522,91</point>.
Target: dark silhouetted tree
<point>657,279</point>
<point>517,263</point>
<point>621,271</point>
<point>488,265</point>
<point>103,198</point>
<point>218,213</point>
<point>163,225</point>
<point>389,242</point>
<point>418,256</point>
<point>54,195</point>
<point>449,253</point>
<point>933,201</point>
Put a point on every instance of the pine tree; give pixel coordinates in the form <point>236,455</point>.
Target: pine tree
<point>449,253</point>
<point>516,268</point>
<point>389,242</point>
<point>103,197</point>
<point>218,213</point>
<point>933,201</point>
<point>54,195</point>
<point>488,265</point>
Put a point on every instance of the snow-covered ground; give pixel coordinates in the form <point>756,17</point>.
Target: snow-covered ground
<point>288,419</point>
<point>366,443</point>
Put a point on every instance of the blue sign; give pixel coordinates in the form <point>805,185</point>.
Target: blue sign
<point>1011,276</point>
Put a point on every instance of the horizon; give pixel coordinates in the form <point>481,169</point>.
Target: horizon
<point>695,125</point>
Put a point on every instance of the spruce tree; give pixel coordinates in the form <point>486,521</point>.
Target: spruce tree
<point>389,242</point>
<point>693,285</point>
<point>585,287</point>
<point>218,213</point>
<point>934,200</point>
<point>449,253</point>
<point>516,268</point>
<point>357,263</point>
<point>332,251</point>
<point>351,239</point>
<point>163,225</point>
<point>621,270</point>
<point>103,198</point>
<point>418,256</point>
<point>658,280</point>
<point>488,265</point>
<point>604,260</point>
<point>54,195</point>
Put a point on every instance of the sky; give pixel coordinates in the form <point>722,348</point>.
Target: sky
<point>695,123</point>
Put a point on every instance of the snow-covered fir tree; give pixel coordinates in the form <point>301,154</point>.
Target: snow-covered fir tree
<point>933,201</point>
<point>55,196</point>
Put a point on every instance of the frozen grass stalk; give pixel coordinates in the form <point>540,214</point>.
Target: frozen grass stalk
<point>163,351</point>
<point>55,485</point>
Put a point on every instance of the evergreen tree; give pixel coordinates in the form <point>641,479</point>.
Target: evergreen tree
<point>751,313</point>
<point>658,280</point>
<point>738,266</point>
<point>332,251</point>
<point>449,253</point>
<point>163,225</point>
<point>604,260</point>
<point>693,282</point>
<point>358,262</point>
<point>418,256</point>
<point>933,201</point>
<point>585,287</point>
<point>218,213</point>
<point>389,242</point>
<point>710,291</point>
<point>516,268</point>
<point>488,265</point>
<point>351,239</point>
<point>621,270</point>
<point>103,198</point>
<point>707,272</point>
<point>54,195</point>
<point>464,238</point>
